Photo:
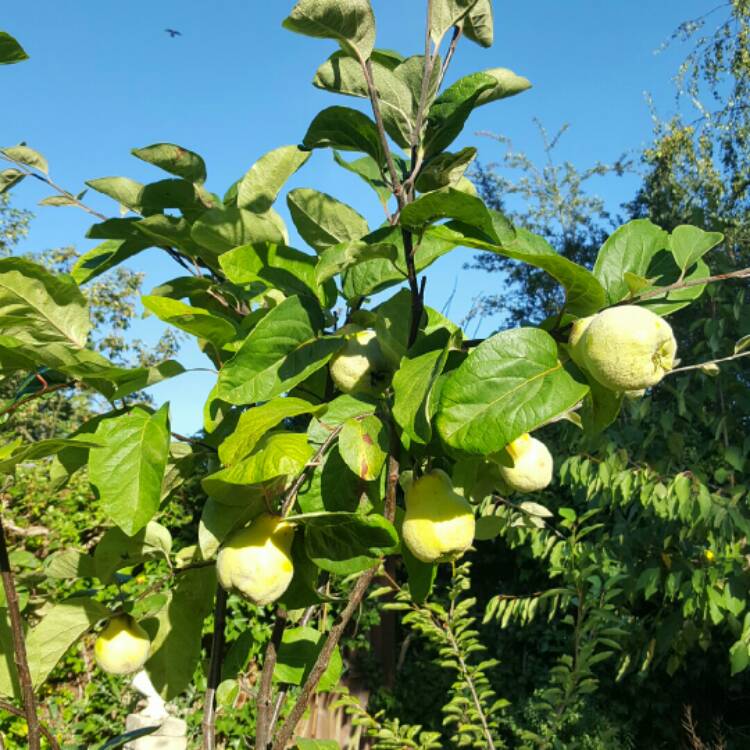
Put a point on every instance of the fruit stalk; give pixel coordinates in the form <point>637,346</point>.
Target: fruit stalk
<point>19,646</point>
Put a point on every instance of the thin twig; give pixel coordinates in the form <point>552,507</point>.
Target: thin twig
<point>192,441</point>
<point>457,31</point>
<point>18,712</point>
<point>743,273</point>
<point>711,362</point>
<point>19,646</point>
<point>265,693</point>
<point>43,392</point>
<point>214,670</point>
<point>291,494</point>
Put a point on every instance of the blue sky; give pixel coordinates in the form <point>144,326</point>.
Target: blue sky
<point>105,77</point>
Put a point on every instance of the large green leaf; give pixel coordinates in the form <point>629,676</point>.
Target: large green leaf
<point>511,383</point>
<point>173,231</point>
<point>38,307</point>
<point>261,184</point>
<point>177,629</point>
<point>337,412</point>
<point>40,449</point>
<point>445,170</point>
<point>277,266</point>
<point>343,74</point>
<point>630,249</point>
<point>281,351</point>
<point>339,258</point>
<point>665,270</point>
<point>10,50</point>
<point>221,229</point>
<point>446,14</point>
<point>174,159</point>
<point>322,221</point>
<point>298,651</point>
<point>125,191</point>
<point>128,471</point>
<point>345,129</point>
<point>218,520</point>
<point>58,630</point>
<point>449,112</point>
<point>347,543</point>
<point>333,486</point>
<point>689,244</point>
<point>256,422</point>
<point>196,321</point>
<point>116,550</point>
<point>351,24</point>
<point>278,456</point>
<point>584,294</point>
<point>108,254</point>
<point>363,444</point>
<point>368,170</point>
<point>28,156</point>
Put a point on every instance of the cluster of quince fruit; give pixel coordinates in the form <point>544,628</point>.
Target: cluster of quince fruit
<point>624,348</point>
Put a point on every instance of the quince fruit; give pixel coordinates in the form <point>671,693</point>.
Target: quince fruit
<point>360,365</point>
<point>122,647</point>
<point>438,523</point>
<point>256,561</point>
<point>532,465</point>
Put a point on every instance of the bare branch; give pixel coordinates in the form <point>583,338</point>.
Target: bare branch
<point>214,670</point>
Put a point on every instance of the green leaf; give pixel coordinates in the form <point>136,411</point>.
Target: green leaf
<point>420,575</point>
<point>317,744</point>
<point>218,520</point>
<point>351,24</point>
<point>61,626</point>
<point>584,294</point>
<point>9,178</point>
<point>445,170</point>
<point>27,156</point>
<point>281,351</point>
<point>601,407</point>
<point>630,248</point>
<point>363,444</point>
<point>176,632</point>
<point>449,112</point>
<point>664,267</point>
<point>332,487</point>
<point>345,129</point>
<point>116,550</point>
<point>125,191</point>
<point>10,50</point>
<point>122,739</point>
<point>322,221</point>
<point>413,384</point>
<point>173,231</point>
<point>40,449</point>
<point>38,307</point>
<point>478,24</point>
<point>446,14</point>
<point>128,471</point>
<point>343,74</point>
<point>174,159</point>
<point>739,657</point>
<point>195,320</point>
<point>337,412</point>
<point>221,229</point>
<point>277,266</point>
<point>68,564</point>
<point>368,170</point>
<point>257,421</point>
<point>298,651</point>
<point>511,383</point>
<point>339,258</point>
<point>742,344</point>
<point>346,543</point>
<point>278,456</point>
<point>105,256</point>
<point>689,244</point>
<point>261,184</point>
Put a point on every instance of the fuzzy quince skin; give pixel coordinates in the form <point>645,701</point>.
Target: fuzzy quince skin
<point>438,524</point>
<point>122,646</point>
<point>256,561</point>
<point>532,465</point>
<point>360,365</point>
<point>626,348</point>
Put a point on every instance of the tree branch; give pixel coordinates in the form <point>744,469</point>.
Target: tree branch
<point>18,712</point>
<point>19,646</point>
<point>265,693</point>
<point>43,392</point>
<point>214,670</point>
<point>743,273</point>
<point>710,362</point>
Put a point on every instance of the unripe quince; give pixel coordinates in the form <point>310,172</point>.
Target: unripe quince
<point>438,523</point>
<point>626,348</point>
<point>256,561</point>
<point>122,647</point>
<point>360,365</point>
<point>532,465</point>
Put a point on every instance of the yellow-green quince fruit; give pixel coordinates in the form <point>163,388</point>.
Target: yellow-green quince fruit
<point>438,523</point>
<point>122,647</point>
<point>256,561</point>
<point>532,465</point>
<point>360,365</point>
<point>627,348</point>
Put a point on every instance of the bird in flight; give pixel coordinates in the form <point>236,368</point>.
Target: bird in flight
<point>173,32</point>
